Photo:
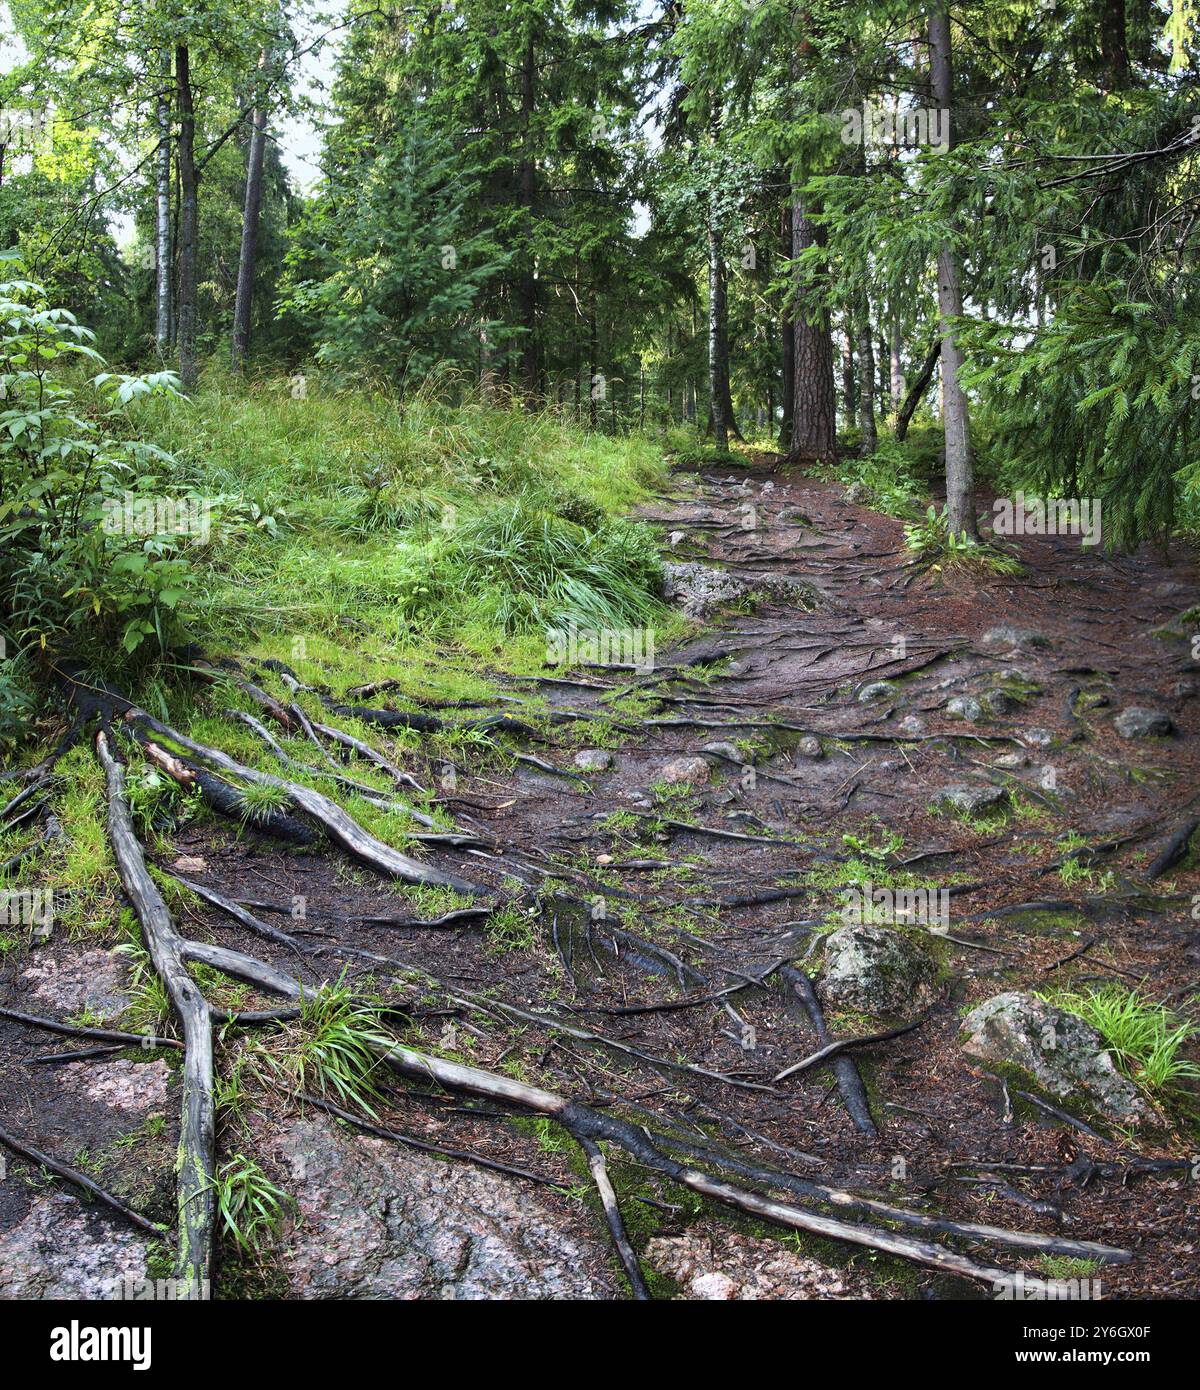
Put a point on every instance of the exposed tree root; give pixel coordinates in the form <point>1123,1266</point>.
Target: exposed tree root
<point>612,1215</point>
<point>82,1180</point>
<point>328,814</point>
<point>226,800</point>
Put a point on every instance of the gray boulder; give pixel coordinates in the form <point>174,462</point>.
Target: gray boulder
<point>691,770</point>
<point>593,760</point>
<point>1136,722</point>
<point>878,970</point>
<point>1063,1055</point>
<point>965,707</point>
<point>969,799</point>
<point>876,690</point>
<point>1005,635</point>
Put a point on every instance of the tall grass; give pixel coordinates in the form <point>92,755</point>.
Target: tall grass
<point>470,520</point>
<point>1144,1037</point>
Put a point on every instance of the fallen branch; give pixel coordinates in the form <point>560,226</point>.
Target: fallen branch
<point>72,1175</point>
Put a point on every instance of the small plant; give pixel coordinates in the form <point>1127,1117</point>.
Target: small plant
<point>1145,1038</point>
<point>933,541</point>
<point>510,929</point>
<point>260,801</point>
<point>891,843</point>
<point>329,1049</point>
<point>251,1206</point>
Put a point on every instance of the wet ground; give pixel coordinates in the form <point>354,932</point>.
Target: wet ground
<point>667,906</point>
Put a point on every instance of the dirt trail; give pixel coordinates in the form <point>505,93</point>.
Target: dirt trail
<point>688,947</point>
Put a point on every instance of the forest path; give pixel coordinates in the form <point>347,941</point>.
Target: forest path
<point>674,919</point>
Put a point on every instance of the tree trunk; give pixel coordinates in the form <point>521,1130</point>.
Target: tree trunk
<point>1114,50</point>
<point>188,221</point>
<point>960,487</point>
<point>866,370</point>
<point>896,365</point>
<point>248,256</point>
<point>849,393</point>
<point>718,347</point>
<point>162,216</point>
<point>919,387</point>
<point>527,181</point>
<point>814,411</point>
<point>788,340</point>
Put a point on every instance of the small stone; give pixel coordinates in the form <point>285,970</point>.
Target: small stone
<point>593,760</point>
<point>1184,690</point>
<point>969,800</point>
<point>877,970</point>
<point>604,859</point>
<point>714,1286</point>
<point>965,707</point>
<point>691,771</point>
<point>1008,636</point>
<point>1064,1055</point>
<point>1012,762</point>
<point>1038,738</point>
<point>724,752</point>
<point>999,702</point>
<point>810,747</point>
<point>876,690</point>
<point>191,864</point>
<point>1136,722</point>
<point>912,725</point>
<point>676,537</point>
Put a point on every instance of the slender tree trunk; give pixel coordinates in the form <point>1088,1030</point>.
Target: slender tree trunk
<point>896,365</point>
<point>866,371</point>
<point>787,340</point>
<point>162,215</point>
<point>527,179</point>
<point>248,257</point>
<point>718,348</point>
<point>188,220</point>
<point>814,410</point>
<point>960,485</point>
<point>849,393</point>
<point>1114,49</point>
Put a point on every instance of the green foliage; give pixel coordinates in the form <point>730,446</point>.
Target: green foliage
<point>384,266</point>
<point>1143,1036</point>
<point>932,540</point>
<point>329,1049</point>
<point>252,1208</point>
<point>71,581</point>
<point>1100,403</point>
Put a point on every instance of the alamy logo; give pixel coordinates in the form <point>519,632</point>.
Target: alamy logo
<point>866,904</point>
<point>76,1343</point>
<point>21,129</point>
<point>158,516</point>
<point>878,128</point>
<point>1053,516</point>
<point>27,907</point>
<point>625,646</point>
<point>1016,1288</point>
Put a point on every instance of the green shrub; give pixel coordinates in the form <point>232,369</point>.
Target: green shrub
<point>73,582</point>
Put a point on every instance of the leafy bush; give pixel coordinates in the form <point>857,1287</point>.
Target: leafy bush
<point>72,581</point>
